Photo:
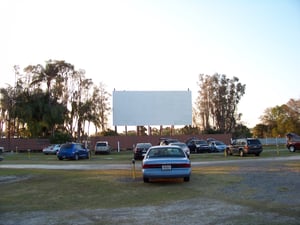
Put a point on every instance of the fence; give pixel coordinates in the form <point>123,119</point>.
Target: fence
<point>273,141</point>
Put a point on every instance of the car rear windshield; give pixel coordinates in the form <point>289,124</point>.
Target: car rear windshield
<point>66,146</point>
<point>200,142</point>
<point>253,142</point>
<point>143,145</point>
<point>102,144</point>
<point>165,152</point>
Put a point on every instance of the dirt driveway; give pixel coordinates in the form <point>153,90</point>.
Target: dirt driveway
<point>277,184</point>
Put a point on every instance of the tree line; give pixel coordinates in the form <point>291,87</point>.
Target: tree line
<point>57,101</point>
<point>54,100</point>
<point>279,120</point>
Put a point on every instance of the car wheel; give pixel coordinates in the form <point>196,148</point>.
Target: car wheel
<point>60,158</point>
<point>76,157</point>
<point>186,179</point>
<point>146,180</point>
<point>241,153</point>
<point>292,148</point>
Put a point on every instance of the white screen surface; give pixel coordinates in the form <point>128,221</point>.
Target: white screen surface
<point>138,108</point>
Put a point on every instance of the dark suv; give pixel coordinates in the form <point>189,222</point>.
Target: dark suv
<point>198,145</point>
<point>140,150</point>
<point>244,146</point>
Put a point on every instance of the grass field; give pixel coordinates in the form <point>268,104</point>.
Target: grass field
<point>26,190</point>
<point>126,157</point>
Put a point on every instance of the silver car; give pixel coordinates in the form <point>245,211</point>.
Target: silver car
<point>184,147</point>
<point>102,147</point>
<point>217,146</point>
<point>52,149</point>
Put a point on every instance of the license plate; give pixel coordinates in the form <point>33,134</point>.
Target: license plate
<point>166,167</point>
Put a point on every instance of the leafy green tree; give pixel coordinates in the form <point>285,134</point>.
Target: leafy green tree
<point>190,130</point>
<point>216,104</point>
<point>8,110</point>
<point>260,130</point>
<point>100,108</point>
<point>283,119</point>
<point>54,70</point>
<point>51,99</point>
<point>241,131</point>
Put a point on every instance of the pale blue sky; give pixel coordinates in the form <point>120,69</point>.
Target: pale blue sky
<point>162,44</point>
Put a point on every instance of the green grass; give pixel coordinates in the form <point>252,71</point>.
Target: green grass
<point>71,190</point>
<point>55,190</point>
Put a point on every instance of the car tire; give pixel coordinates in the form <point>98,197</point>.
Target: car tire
<point>76,157</point>
<point>60,158</point>
<point>292,148</point>
<point>186,179</point>
<point>146,179</point>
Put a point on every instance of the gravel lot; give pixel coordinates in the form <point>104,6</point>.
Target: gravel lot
<point>270,181</point>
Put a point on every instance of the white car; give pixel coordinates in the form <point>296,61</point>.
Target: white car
<point>102,147</point>
<point>52,149</point>
<point>183,146</point>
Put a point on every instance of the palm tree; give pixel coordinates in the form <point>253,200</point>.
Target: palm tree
<point>54,70</point>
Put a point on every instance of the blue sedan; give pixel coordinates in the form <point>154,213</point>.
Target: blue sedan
<point>166,161</point>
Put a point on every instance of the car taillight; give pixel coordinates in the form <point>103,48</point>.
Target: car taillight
<point>152,166</point>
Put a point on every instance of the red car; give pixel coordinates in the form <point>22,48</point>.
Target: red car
<point>292,142</point>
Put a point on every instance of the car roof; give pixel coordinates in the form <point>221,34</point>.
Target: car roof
<point>178,143</point>
<point>165,146</point>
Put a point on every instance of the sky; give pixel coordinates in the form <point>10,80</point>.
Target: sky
<point>161,44</point>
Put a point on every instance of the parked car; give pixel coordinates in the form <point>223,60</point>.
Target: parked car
<point>244,146</point>
<point>140,150</point>
<point>198,145</point>
<point>73,151</point>
<point>217,146</point>
<point>52,149</point>
<point>292,142</point>
<point>166,141</point>
<point>166,161</point>
<point>183,146</point>
<point>102,147</point>
<point>209,140</point>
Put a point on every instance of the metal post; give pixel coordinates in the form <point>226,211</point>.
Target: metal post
<point>133,169</point>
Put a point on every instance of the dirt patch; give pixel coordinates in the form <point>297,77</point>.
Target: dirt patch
<point>12,179</point>
<point>189,212</point>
